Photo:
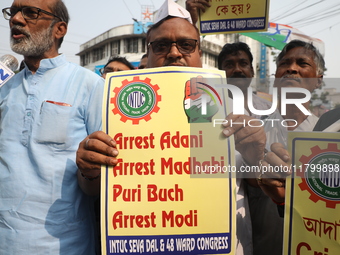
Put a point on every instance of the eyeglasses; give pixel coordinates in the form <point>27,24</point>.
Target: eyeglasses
<point>28,12</point>
<point>104,70</point>
<point>185,46</point>
<point>109,70</point>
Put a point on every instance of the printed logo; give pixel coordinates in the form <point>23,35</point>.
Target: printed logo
<point>321,176</point>
<point>201,101</point>
<point>5,74</point>
<point>136,100</point>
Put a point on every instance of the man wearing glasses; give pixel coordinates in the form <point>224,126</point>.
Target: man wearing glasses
<point>172,41</point>
<point>116,64</point>
<point>45,112</point>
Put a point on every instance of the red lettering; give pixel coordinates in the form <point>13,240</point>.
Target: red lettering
<point>128,195</point>
<point>130,142</point>
<point>130,221</point>
<point>189,220</point>
<point>174,168</point>
<point>163,195</point>
<point>129,168</point>
<point>300,245</point>
<point>177,141</point>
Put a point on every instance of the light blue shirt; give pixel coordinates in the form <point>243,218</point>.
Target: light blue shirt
<point>42,208</point>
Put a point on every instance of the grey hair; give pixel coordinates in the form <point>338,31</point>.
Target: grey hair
<point>60,10</point>
<point>318,58</point>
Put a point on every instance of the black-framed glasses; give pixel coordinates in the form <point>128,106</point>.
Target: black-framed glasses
<point>109,70</point>
<point>105,70</point>
<point>185,46</point>
<point>28,12</point>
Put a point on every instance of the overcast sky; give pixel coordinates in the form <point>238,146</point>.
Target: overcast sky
<point>91,18</point>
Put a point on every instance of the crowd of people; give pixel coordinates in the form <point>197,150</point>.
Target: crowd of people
<point>52,146</point>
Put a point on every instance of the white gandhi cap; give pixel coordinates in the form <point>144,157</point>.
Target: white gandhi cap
<point>170,8</point>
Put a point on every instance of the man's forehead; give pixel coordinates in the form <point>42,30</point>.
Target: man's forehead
<point>239,53</point>
<point>299,53</point>
<point>173,30</point>
<point>236,56</point>
<point>34,3</point>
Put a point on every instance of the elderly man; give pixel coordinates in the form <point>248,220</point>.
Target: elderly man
<point>45,112</point>
<point>299,65</point>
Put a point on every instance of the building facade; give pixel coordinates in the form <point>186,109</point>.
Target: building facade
<point>130,41</point>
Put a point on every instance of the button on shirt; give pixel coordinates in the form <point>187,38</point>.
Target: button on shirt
<point>43,118</point>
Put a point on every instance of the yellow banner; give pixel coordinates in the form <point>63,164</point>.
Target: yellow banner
<point>312,221</point>
<point>171,191</point>
<point>234,16</point>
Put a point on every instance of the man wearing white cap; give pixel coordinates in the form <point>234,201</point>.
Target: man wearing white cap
<point>172,41</point>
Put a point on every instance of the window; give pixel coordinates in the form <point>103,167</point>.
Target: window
<point>143,44</point>
<point>131,45</point>
<point>98,54</point>
<point>210,59</point>
<point>115,48</point>
<point>85,59</point>
<point>213,60</point>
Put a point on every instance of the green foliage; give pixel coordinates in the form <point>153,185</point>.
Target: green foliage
<point>322,97</point>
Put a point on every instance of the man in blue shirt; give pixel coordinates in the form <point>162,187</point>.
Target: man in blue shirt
<point>46,110</point>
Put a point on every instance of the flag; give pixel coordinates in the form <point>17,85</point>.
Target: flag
<point>278,35</point>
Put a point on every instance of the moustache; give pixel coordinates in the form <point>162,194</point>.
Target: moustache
<point>16,28</point>
<point>291,77</point>
<point>237,76</point>
<point>174,63</point>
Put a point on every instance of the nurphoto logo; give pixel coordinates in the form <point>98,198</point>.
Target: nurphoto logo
<point>238,103</point>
